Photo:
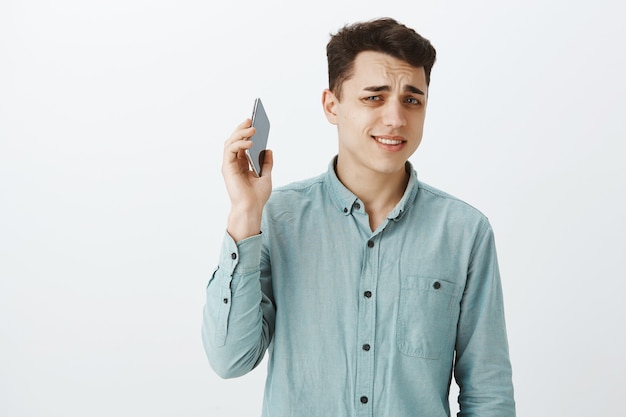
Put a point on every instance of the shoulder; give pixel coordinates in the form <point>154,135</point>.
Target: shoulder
<point>297,193</point>
<point>298,188</point>
<point>435,201</point>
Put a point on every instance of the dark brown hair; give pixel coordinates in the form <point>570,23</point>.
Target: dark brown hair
<point>384,35</point>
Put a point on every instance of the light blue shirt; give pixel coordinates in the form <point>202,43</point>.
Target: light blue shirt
<point>361,323</point>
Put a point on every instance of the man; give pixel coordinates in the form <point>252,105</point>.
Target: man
<point>367,287</point>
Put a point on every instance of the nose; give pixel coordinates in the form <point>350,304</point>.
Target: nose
<point>393,114</point>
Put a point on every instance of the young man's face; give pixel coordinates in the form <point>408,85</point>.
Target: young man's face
<point>380,117</point>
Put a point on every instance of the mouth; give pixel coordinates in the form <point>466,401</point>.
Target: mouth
<point>389,140</point>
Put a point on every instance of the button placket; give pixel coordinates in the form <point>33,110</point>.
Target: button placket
<point>367,327</point>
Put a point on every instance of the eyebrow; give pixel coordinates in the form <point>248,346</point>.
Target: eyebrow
<point>409,88</point>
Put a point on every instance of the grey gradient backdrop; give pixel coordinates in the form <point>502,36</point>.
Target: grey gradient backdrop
<point>112,209</point>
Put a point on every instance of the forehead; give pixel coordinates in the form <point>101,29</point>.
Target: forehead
<point>376,68</point>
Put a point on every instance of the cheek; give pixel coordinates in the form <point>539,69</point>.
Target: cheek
<point>352,121</point>
<point>417,121</point>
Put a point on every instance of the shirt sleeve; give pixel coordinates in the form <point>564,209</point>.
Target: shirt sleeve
<point>238,316</point>
<point>482,367</point>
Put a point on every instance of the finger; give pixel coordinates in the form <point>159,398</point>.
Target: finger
<point>268,163</point>
<point>236,150</point>
<point>242,132</point>
<point>246,123</point>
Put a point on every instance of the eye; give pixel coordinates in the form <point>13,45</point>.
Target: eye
<point>413,100</point>
<point>372,98</point>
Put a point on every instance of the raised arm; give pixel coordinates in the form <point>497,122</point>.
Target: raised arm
<point>238,317</point>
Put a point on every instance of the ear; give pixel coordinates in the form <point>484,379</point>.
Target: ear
<point>329,103</point>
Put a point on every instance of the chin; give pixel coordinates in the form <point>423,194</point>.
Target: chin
<point>389,168</point>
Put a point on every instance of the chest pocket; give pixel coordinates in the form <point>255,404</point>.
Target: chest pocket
<point>428,313</point>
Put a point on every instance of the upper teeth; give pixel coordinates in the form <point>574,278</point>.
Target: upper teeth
<point>389,141</point>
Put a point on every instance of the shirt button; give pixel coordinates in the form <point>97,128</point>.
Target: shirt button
<point>436,285</point>
<point>364,399</point>
<point>225,300</point>
<point>367,294</point>
<point>357,206</point>
<point>370,243</point>
<point>366,347</point>
<point>345,210</point>
<point>233,256</point>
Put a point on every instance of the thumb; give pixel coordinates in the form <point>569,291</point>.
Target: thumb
<point>268,163</point>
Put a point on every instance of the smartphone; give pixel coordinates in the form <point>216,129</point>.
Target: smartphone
<point>256,153</point>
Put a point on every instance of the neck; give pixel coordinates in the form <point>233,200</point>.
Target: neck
<point>379,192</point>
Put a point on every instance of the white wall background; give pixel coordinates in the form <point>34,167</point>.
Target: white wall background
<point>112,119</point>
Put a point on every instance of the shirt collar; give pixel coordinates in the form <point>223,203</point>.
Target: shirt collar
<point>345,200</point>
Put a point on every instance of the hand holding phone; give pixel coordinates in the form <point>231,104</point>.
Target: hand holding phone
<point>248,195</point>
<point>261,123</point>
